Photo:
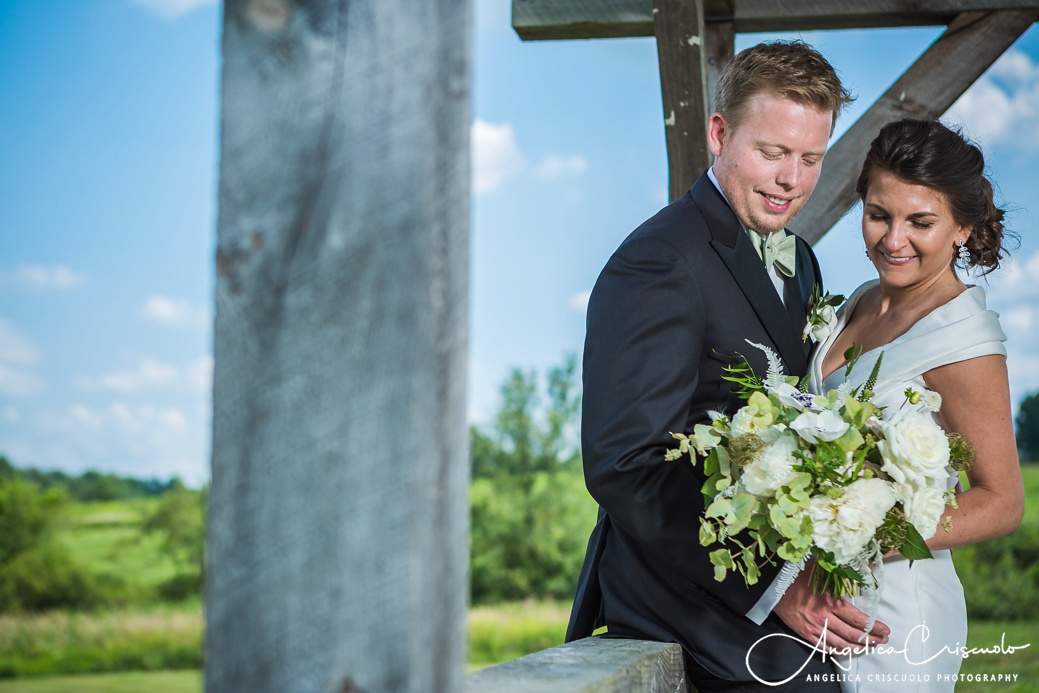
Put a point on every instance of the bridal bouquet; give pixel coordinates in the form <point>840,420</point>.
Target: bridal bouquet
<point>795,476</point>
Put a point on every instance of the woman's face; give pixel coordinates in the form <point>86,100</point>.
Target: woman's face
<point>909,231</point>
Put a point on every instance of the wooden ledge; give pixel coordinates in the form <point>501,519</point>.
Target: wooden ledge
<point>603,665</point>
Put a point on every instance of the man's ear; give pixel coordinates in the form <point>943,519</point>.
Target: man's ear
<point>717,130</point>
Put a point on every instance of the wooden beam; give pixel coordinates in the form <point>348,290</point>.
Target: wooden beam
<point>336,548</point>
<point>941,75</point>
<point>721,47</point>
<point>572,19</point>
<point>682,57</point>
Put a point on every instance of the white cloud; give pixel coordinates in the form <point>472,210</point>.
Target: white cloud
<point>171,9</point>
<point>85,416</point>
<point>16,347</point>
<point>1003,104</point>
<point>152,374</point>
<point>173,311</point>
<point>556,166</point>
<point>18,383</point>
<point>149,374</point>
<point>1015,66</point>
<point>1015,280</point>
<point>146,418</point>
<point>141,440</point>
<point>496,156</point>
<point>579,301</point>
<point>19,351</point>
<point>43,277</point>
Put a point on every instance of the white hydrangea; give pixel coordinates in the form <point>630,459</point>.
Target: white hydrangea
<point>773,468</point>
<point>845,525</point>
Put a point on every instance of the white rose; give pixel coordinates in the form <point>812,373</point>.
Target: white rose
<point>814,427</point>
<point>773,468</point>
<point>819,331</point>
<point>914,449</point>
<point>924,509</point>
<point>845,525</point>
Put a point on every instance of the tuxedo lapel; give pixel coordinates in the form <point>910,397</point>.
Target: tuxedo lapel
<point>735,250</point>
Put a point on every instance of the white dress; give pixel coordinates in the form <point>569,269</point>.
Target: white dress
<point>922,604</point>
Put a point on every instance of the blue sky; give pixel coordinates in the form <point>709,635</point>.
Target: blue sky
<point>108,155</point>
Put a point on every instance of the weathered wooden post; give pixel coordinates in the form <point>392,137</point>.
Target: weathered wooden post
<point>338,516</point>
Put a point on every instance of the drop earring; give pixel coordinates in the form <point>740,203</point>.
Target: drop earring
<point>963,256</point>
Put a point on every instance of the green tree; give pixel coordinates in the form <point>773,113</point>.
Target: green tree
<point>34,573</point>
<point>1026,425</point>
<point>179,517</point>
<point>530,512</point>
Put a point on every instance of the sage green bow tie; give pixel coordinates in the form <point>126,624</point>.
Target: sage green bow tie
<point>779,249</point>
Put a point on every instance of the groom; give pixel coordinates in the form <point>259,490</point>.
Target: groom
<point>680,297</point>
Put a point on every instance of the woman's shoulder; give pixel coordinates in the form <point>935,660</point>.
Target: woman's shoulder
<point>865,290</point>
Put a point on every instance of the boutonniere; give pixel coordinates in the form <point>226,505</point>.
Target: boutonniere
<point>822,315</point>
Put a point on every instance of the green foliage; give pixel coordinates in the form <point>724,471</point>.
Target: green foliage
<point>1026,426</point>
<point>60,554</point>
<point>34,573</point>
<point>530,512</point>
<point>1001,577</point>
<point>46,578</point>
<point>526,436</point>
<point>24,513</point>
<point>179,518</point>
<point>528,536</point>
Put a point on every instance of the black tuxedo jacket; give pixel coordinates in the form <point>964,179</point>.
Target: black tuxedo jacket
<point>674,304</point>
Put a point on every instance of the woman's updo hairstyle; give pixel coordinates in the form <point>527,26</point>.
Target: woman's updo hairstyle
<point>926,152</point>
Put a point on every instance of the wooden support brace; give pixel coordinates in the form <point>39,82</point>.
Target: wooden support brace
<point>572,19</point>
<point>681,52</point>
<point>973,41</point>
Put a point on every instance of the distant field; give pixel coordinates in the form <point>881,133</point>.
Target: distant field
<point>107,538</point>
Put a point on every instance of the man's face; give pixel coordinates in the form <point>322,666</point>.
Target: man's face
<point>769,165</point>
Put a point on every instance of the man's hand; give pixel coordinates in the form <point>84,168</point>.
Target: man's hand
<point>807,614</point>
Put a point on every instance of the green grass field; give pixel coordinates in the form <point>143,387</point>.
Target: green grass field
<point>107,538</point>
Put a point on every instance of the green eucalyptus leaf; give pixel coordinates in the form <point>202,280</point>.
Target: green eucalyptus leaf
<point>914,548</point>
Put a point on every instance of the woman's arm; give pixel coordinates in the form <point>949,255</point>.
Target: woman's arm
<point>976,403</point>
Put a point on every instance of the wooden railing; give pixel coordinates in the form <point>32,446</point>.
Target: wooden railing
<point>602,665</point>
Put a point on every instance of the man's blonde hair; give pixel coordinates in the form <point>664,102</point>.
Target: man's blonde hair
<point>791,69</point>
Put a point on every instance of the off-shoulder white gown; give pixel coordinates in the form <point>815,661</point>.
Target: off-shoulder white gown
<point>923,604</point>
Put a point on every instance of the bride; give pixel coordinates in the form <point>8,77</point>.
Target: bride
<point>926,206</point>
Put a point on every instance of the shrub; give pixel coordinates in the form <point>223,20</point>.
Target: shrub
<point>181,587</point>
<point>1001,577</point>
<point>45,578</point>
